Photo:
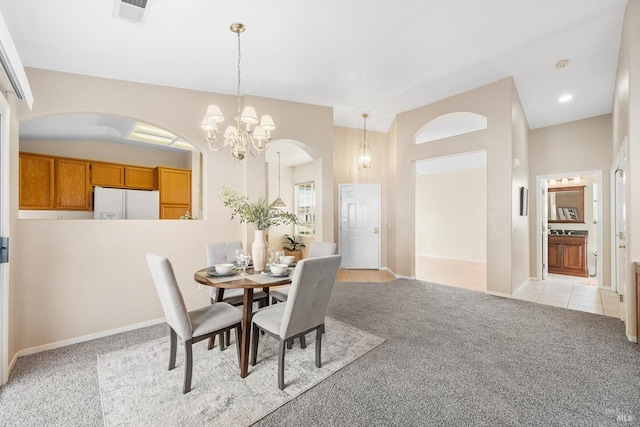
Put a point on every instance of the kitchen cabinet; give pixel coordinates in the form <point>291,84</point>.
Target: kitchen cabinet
<point>175,192</point>
<point>72,185</point>
<point>139,178</point>
<point>122,176</point>
<point>107,175</point>
<point>568,255</point>
<point>36,182</point>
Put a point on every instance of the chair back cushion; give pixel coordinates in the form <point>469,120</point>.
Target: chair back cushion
<point>170,296</point>
<point>309,294</point>
<point>322,249</point>
<point>221,253</point>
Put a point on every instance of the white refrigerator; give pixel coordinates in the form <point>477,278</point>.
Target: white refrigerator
<point>116,203</point>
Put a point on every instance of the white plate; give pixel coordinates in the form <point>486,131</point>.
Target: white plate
<point>285,274</point>
<point>212,273</point>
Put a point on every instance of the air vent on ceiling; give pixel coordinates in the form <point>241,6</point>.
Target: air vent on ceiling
<point>131,10</point>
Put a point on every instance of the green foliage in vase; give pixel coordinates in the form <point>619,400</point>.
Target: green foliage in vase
<point>261,214</point>
<point>292,243</point>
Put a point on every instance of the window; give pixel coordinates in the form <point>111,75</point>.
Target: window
<point>306,208</point>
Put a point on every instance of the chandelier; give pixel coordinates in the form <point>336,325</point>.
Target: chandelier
<point>364,151</point>
<point>239,138</point>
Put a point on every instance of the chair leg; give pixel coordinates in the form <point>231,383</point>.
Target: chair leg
<point>227,337</point>
<point>222,344</point>
<point>173,339</point>
<point>303,342</point>
<point>212,342</point>
<point>281,365</point>
<point>238,334</point>
<point>289,344</point>
<point>319,346</point>
<point>188,366</point>
<point>273,301</point>
<point>255,336</point>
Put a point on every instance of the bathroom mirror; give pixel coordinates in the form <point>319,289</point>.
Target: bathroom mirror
<point>566,204</point>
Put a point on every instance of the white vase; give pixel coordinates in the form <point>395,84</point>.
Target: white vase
<point>259,250</point>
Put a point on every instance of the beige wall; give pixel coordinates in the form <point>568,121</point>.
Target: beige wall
<point>493,101</point>
<point>626,124</point>
<point>345,159</point>
<point>583,145</point>
<point>91,276</point>
<point>520,177</point>
<point>451,214</point>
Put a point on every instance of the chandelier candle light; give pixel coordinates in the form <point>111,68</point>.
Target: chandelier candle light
<point>239,138</point>
<point>364,152</point>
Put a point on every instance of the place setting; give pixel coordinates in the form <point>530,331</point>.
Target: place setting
<point>278,264</point>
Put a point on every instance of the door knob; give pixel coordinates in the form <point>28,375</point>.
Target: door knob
<point>376,230</point>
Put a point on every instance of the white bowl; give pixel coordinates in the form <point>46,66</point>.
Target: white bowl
<point>224,268</point>
<point>288,260</point>
<point>279,268</point>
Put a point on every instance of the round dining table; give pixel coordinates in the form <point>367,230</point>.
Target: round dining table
<point>249,282</point>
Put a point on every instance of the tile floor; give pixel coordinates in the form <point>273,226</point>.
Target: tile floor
<point>567,291</point>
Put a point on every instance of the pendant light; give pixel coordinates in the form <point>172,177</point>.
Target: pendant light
<point>279,203</point>
<point>364,151</point>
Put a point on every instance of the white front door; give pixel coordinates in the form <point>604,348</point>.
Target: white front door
<point>359,236</point>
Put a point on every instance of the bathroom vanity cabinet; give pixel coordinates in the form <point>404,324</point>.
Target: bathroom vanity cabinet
<point>568,255</point>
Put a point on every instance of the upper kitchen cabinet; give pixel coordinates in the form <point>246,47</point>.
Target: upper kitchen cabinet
<point>73,188</point>
<point>107,174</point>
<point>175,192</point>
<point>36,182</point>
<point>122,176</point>
<point>140,178</point>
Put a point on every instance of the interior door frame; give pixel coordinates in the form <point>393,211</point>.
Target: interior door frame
<point>4,231</point>
<point>620,163</point>
<point>540,219</point>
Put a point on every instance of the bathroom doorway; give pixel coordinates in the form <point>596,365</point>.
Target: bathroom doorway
<point>569,228</point>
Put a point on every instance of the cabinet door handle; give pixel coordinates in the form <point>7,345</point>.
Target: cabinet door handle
<point>622,246</point>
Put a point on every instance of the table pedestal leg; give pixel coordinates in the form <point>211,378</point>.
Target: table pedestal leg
<point>247,313</point>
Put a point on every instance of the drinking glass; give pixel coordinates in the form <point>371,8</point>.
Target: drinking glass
<point>279,257</point>
<point>243,258</point>
<point>271,256</point>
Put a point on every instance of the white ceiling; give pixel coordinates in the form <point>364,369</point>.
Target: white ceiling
<point>381,57</point>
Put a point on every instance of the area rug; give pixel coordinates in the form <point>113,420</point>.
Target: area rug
<point>137,389</point>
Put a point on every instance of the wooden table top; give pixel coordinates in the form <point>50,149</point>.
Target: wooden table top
<point>239,282</point>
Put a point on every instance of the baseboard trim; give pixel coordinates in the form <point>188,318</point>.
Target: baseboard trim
<point>397,276</point>
<point>64,343</point>
<point>499,294</point>
<point>521,285</point>
<point>632,338</point>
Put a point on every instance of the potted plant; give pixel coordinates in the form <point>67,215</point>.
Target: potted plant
<point>291,245</point>
<point>261,214</point>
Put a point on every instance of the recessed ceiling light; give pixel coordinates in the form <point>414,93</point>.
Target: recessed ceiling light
<point>562,63</point>
<point>565,98</point>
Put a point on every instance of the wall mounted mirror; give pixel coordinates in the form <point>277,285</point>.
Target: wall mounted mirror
<point>566,205</point>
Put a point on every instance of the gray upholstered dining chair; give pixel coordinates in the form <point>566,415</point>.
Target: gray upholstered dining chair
<point>304,311</point>
<point>317,249</point>
<point>192,326</point>
<point>225,252</point>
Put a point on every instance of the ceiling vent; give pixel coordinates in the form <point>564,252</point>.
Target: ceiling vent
<point>131,10</point>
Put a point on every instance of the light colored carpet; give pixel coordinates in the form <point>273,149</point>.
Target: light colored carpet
<point>137,389</point>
